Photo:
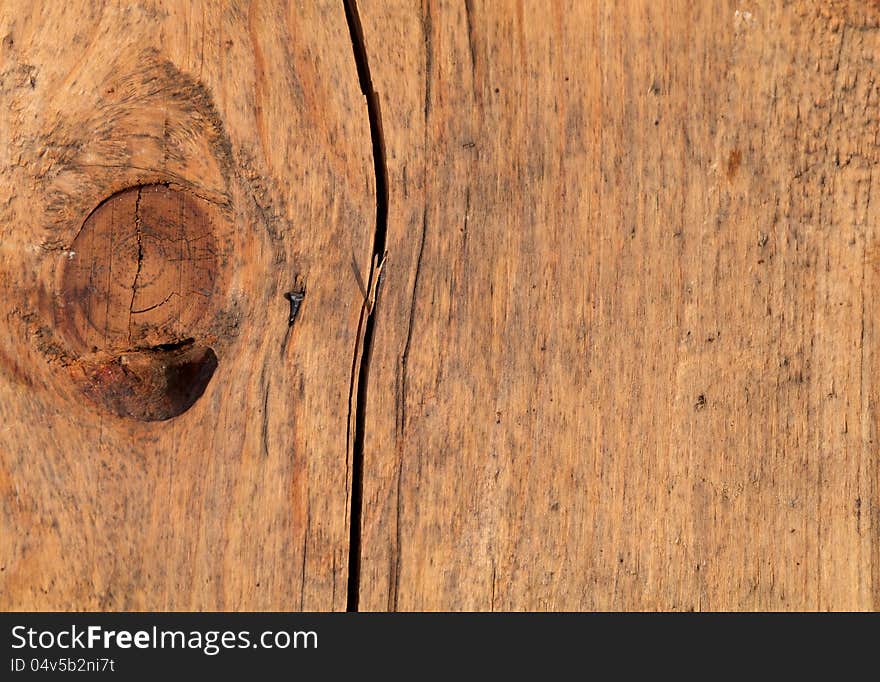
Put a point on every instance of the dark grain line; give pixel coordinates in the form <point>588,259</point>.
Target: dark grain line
<point>397,560</point>
<point>305,554</point>
<point>404,358</point>
<point>472,45</point>
<point>428,30</point>
<point>265,430</point>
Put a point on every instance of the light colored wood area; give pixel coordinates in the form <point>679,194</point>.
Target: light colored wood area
<point>625,352</point>
<point>241,502</point>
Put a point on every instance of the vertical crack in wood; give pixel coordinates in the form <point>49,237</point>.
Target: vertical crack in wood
<point>360,368</point>
<point>140,258</point>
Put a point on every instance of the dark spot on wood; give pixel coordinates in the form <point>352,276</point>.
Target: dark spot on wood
<point>733,163</point>
<point>148,385</point>
<point>295,298</point>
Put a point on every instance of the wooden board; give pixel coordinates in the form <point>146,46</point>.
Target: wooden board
<point>624,348</point>
<point>254,111</point>
<point>622,355</point>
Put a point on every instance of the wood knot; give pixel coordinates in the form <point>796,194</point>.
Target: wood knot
<point>137,283</point>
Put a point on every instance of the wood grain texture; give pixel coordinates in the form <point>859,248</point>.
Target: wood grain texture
<point>241,502</point>
<point>622,355</point>
<point>624,352</point>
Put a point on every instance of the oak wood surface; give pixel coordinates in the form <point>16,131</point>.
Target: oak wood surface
<point>241,502</point>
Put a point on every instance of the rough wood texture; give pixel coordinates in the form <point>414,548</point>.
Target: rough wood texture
<point>624,351</point>
<point>622,355</point>
<point>241,502</point>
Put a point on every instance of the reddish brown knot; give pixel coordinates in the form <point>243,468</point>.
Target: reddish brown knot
<point>136,285</point>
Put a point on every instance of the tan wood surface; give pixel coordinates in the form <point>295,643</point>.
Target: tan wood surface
<point>241,502</point>
<point>622,354</point>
